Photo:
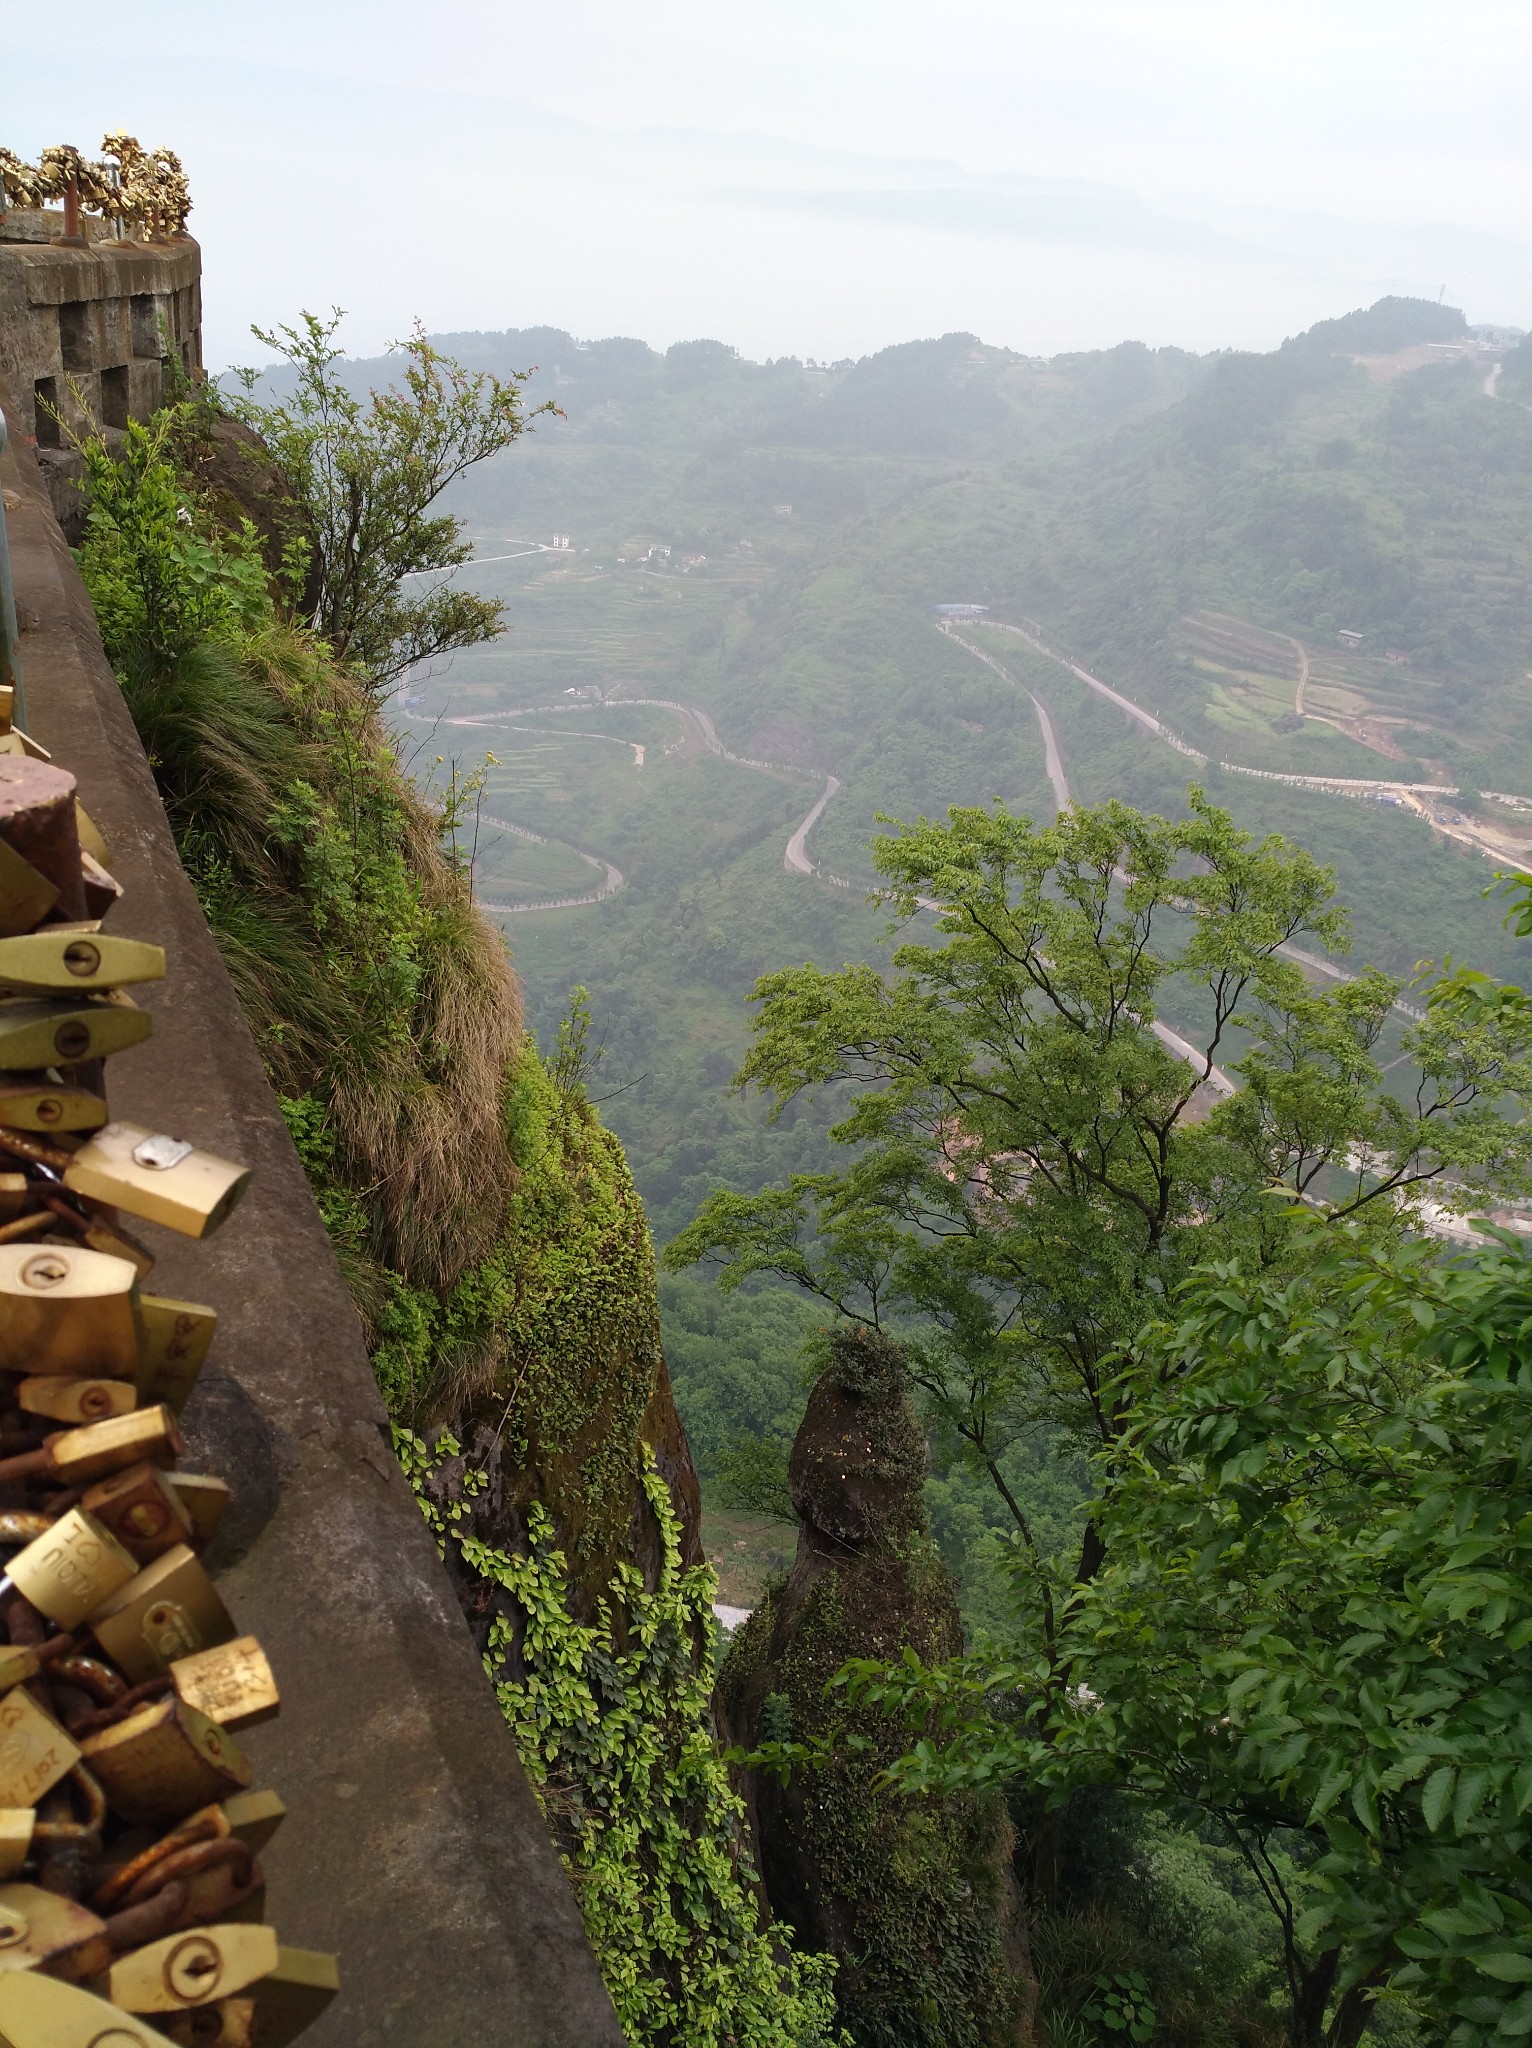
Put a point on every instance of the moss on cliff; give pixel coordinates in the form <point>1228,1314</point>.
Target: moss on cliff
<point>913,1895</point>
<point>486,1223</point>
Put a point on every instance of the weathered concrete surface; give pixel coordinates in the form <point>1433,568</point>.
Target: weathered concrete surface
<point>87,332</point>
<point>413,1845</point>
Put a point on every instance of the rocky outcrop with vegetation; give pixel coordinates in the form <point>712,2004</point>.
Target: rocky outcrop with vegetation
<point>912,1894</point>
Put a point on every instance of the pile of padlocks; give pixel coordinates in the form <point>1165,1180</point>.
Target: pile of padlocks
<point>131,1893</point>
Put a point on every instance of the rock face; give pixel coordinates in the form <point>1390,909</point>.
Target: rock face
<point>915,1895</point>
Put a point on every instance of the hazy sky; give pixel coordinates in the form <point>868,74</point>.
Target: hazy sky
<point>817,177</point>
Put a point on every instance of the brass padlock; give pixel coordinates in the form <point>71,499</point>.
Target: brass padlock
<point>205,1500</point>
<point>39,1930</point>
<point>64,958</point>
<point>163,1179</point>
<point>14,1195</point>
<point>37,1103</point>
<point>77,1455</point>
<point>170,1610</point>
<point>226,2023</point>
<point>76,1401</point>
<point>16,1825</point>
<point>26,896</point>
<point>164,1761</point>
<point>176,1336</point>
<point>254,1817</point>
<point>68,1310</point>
<point>142,1510</point>
<point>232,1683</point>
<point>35,1753</point>
<point>40,2012</point>
<point>69,1572</point>
<point>18,1663</point>
<point>102,890</point>
<point>192,1968</point>
<point>292,1996</point>
<point>88,832</point>
<point>37,1033</point>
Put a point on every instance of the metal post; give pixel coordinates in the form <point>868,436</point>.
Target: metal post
<point>10,658</point>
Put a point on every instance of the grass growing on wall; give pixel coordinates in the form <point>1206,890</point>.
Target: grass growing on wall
<point>485,1222</point>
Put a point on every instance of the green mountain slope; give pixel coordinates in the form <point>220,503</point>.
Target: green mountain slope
<point>1198,533</point>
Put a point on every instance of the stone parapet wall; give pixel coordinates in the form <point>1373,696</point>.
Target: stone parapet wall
<point>414,1847</point>
<point>85,332</point>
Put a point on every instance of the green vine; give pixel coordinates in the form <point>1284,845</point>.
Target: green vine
<point>612,1722</point>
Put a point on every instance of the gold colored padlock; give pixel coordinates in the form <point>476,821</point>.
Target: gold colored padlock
<point>17,1664</point>
<point>142,1510</point>
<point>205,1499</point>
<point>14,1195</point>
<point>89,835</point>
<point>164,1761</point>
<point>176,1336</point>
<point>226,2023</point>
<point>39,1930</point>
<point>40,2012</point>
<point>232,1683</point>
<point>76,1401</point>
<point>254,1817</point>
<point>68,1310</point>
<point>102,891</point>
<point>34,1750</point>
<point>37,1103</point>
<point>192,1968</point>
<point>163,1179</point>
<point>16,1825</point>
<point>170,1610</point>
<point>69,1572</point>
<point>39,1033</point>
<point>292,1996</point>
<point>62,957</point>
<point>77,1455</point>
<point>26,896</point>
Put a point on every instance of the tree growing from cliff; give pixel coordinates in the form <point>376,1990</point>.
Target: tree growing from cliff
<point>1263,1619</point>
<point>1034,1166</point>
<point>369,472</point>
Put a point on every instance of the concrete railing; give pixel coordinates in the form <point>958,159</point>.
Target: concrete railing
<point>414,1847</point>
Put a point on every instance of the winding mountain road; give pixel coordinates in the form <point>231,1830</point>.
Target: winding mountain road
<point>796,859</point>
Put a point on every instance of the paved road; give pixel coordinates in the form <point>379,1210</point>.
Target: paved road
<point>1303,670</point>
<point>796,859</point>
<point>612,878</point>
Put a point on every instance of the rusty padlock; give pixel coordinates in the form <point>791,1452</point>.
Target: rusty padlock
<point>170,1609</point>
<point>41,1931</point>
<point>142,1509</point>
<point>163,1762</point>
<point>76,1456</point>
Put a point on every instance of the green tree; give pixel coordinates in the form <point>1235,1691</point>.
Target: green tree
<point>368,473</point>
<point>1311,1625</point>
<point>1034,1167</point>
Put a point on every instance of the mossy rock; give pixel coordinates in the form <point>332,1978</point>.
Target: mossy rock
<point>914,1895</point>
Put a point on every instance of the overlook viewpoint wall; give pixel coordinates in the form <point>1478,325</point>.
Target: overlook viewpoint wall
<point>413,1845</point>
<point>85,332</point>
